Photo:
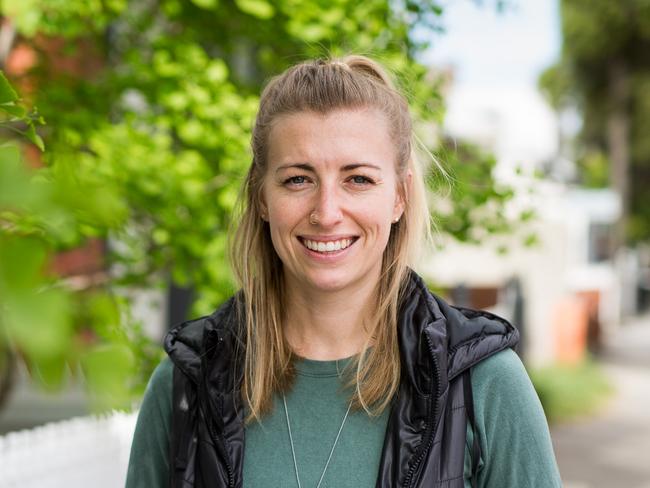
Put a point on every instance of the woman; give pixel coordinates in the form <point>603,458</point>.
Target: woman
<point>334,365</point>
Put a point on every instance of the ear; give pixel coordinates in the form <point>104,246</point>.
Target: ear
<point>262,206</point>
<point>401,196</point>
<point>264,211</point>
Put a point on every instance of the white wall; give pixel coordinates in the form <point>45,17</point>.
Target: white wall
<point>541,271</point>
<point>79,453</point>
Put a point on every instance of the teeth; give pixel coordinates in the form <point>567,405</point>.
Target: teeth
<point>327,246</point>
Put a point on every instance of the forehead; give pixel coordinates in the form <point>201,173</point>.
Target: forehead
<point>336,137</point>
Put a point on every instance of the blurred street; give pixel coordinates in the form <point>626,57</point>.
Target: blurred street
<point>611,448</point>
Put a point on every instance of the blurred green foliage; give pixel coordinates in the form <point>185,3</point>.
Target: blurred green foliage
<point>473,209</point>
<point>594,167</point>
<point>42,210</point>
<point>571,391</point>
<point>604,72</point>
<point>149,107</point>
<point>16,117</point>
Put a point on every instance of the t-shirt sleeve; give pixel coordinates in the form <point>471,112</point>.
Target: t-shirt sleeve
<point>149,459</point>
<point>516,448</point>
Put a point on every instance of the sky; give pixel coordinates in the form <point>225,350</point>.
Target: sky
<point>496,60</point>
<point>491,48</point>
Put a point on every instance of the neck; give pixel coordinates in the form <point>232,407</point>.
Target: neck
<point>328,325</point>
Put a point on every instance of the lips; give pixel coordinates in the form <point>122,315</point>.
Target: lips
<point>325,246</point>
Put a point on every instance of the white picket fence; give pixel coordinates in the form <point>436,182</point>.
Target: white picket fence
<point>78,453</point>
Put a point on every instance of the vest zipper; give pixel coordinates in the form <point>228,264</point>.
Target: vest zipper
<point>221,446</point>
<point>219,440</point>
<point>433,414</point>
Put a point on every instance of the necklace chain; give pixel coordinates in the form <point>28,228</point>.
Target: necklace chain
<point>293,451</point>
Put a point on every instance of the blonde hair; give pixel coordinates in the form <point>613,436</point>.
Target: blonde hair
<point>322,86</point>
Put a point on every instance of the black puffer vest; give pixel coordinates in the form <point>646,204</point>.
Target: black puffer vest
<point>425,438</point>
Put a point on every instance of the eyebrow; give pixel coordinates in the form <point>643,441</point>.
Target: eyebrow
<point>309,167</point>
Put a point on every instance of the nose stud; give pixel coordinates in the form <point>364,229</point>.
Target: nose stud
<point>313,219</point>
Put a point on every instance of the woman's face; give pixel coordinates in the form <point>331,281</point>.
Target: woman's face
<point>330,197</point>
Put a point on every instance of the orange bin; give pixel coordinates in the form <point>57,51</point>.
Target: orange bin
<point>570,323</point>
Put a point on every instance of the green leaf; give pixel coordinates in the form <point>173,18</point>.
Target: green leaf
<point>22,261</point>
<point>527,215</point>
<point>105,313</point>
<point>206,4</point>
<point>34,137</point>
<point>49,372</point>
<point>7,93</point>
<point>191,131</point>
<point>177,100</point>
<point>531,240</point>
<point>310,32</point>
<point>39,323</point>
<point>12,109</point>
<point>14,180</point>
<point>257,8</point>
<point>108,369</point>
<point>25,14</point>
<point>116,5</point>
<point>217,71</point>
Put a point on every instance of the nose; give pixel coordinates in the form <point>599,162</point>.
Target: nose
<point>327,209</point>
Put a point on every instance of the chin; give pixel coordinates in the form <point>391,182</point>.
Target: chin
<point>334,282</point>
<point>329,285</point>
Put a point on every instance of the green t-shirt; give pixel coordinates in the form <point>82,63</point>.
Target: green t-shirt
<point>317,406</point>
<point>513,434</point>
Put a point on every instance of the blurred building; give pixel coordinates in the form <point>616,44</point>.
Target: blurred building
<point>565,292</point>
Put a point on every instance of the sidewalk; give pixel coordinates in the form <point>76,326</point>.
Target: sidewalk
<point>612,448</point>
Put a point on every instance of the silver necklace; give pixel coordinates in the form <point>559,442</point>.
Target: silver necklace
<point>293,451</point>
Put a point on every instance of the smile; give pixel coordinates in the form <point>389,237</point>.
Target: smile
<point>327,246</point>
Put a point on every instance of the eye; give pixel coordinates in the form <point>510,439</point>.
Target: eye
<point>295,181</point>
<point>361,180</point>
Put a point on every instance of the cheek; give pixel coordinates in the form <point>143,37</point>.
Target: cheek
<point>279,242</point>
<point>284,217</point>
<point>378,222</point>
<point>283,213</point>
<point>383,208</point>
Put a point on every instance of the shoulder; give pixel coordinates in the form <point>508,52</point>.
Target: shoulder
<point>158,395</point>
<point>162,376</point>
<point>503,371</point>
<point>501,385</point>
<point>513,433</point>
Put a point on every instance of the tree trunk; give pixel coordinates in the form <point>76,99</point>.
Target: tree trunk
<point>618,141</point>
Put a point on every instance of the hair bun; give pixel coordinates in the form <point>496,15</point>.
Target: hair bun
<point>367,66</point>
